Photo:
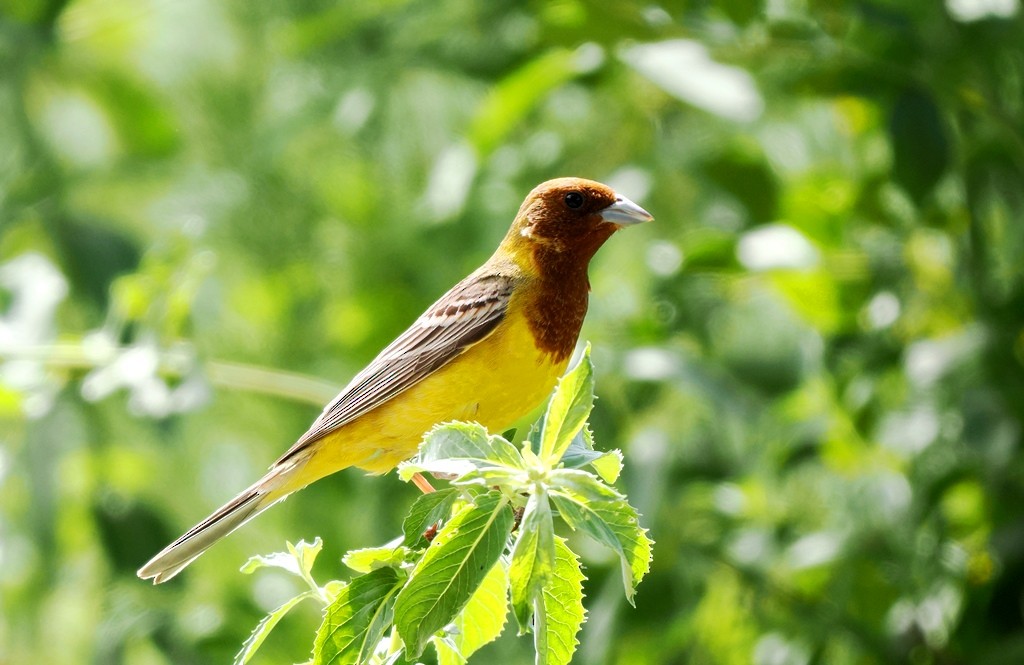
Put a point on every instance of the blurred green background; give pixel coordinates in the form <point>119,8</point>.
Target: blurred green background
<point>212,214</point>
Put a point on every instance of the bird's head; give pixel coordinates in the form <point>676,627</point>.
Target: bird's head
<point>570,218</point>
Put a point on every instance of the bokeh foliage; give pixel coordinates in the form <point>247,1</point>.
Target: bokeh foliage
<point>812,359</point>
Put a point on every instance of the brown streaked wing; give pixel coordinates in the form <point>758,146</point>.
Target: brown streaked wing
<point>460,318</point>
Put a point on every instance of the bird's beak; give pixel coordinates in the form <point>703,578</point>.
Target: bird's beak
<point>625,213</point>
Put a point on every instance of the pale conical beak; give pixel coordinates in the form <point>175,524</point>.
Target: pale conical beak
<point>625,213</point>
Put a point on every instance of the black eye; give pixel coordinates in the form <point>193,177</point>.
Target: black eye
<point>574,200</point>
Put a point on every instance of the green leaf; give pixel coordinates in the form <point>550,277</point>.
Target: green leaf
<point>533,558</point>
<point>481,621</point>
<point>331,590</point>
<point>355,622</point>
<point>581,453</point>
<point>449,468</point>
<point>532,440</point>
<point>459,440</point>
<point>612,522</point>
<point>298,560</point>
<point>144,123</point>
<point>747,176</point>
<point>568,409</point>
<point>608,465</point>
<point>920,147</point>
<point>559,611</point>
<point>579,447</point>
<point>514,480</point>
<point>458,448</point>
<point>372,558</point>
<point>263,628</point>
<point>512,98</point>
<point>584,484</point>
<point>428,510</point>
<point>451,570</point>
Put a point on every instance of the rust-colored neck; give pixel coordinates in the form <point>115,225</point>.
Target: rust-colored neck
<point>556,311</point>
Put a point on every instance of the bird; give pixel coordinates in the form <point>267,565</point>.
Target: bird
<point>490,350</point>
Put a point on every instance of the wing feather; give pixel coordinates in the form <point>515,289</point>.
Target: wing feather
<point>465,315</point>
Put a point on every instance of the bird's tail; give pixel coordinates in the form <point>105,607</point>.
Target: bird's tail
<point>270,489</point>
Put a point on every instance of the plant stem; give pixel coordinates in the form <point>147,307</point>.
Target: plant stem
<point>176,363</point>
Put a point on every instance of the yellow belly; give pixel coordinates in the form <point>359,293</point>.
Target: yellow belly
<point>495,383</point>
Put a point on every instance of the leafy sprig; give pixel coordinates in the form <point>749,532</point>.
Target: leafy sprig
<point>470,551</point>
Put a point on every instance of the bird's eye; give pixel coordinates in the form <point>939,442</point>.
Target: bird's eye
<point>574,200</point>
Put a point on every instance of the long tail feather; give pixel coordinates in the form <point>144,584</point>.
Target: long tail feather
<point>172,559</point>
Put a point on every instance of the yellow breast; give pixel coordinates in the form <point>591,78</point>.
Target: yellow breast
<point>495,383</point>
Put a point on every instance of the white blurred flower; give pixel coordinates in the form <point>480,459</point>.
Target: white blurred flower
<point>37,288</point>
<point>814,549</point>
<point>929,360</point>
<point>883,310</point>
<point>137,369</point>
<point>450,181</point>
<point>967,11</point>
<point>909,432</point>
<point>776,246</point>
<point>774,649</point>
<point>651,363</point>
<point>684,69</point>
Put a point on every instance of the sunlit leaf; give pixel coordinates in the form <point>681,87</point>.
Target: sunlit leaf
<point>480,622</point>
<point>581,453</point>
<point>583,485</point>
<point>492,476</point>
<point>559,611</point>
<point>608,465</point>
<point>457,448</point>
<point>531,441</point>
<point>453,567</point>
<point>580,450</point>
<point>568,409</point>
<point>467,441</point>
<point>612,522</point>
<point>356,621</point>
<point>371,558</point>
<point>298,560</point>
<point>267,624</point>
<point>532,558</point>
<point>428,510</point>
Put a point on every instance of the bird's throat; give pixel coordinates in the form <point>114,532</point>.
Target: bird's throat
<point>558,306</point>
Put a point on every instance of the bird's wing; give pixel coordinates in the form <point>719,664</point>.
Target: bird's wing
<point>465,315</point>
